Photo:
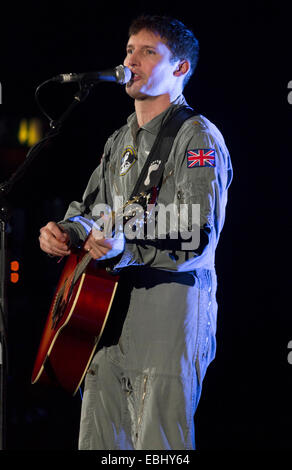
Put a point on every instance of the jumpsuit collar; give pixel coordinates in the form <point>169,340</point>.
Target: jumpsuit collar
<point>155,124</point>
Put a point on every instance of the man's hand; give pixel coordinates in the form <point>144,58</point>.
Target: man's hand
<point>104,248</point>
<point>54,240</point>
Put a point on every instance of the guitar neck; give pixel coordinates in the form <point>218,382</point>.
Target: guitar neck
<point>81,266</point>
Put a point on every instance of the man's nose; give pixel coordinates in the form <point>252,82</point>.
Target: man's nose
<point>132,59</point>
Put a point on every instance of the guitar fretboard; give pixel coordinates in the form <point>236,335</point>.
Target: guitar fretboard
<point>81,266</point>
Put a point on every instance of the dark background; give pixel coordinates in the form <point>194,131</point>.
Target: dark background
<point>241,84</point>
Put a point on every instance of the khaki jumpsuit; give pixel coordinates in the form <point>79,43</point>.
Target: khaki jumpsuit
<point>143,386</point>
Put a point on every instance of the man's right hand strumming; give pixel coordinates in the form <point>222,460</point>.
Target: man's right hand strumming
<point>54,240</point>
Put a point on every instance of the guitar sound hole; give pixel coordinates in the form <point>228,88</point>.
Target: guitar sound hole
<point>61,302</point>
<point>58,311</point>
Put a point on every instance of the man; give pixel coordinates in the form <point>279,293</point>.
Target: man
<point>143,386</point>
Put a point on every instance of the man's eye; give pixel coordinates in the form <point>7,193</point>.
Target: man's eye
<point>150,51</point>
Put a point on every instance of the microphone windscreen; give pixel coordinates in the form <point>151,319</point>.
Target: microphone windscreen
<point>123,74</point>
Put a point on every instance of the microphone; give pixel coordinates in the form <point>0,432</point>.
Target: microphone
<point>119,74</point>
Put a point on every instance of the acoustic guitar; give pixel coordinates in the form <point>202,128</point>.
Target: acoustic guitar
<point>78,313</point>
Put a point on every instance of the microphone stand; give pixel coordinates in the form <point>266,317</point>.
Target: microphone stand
<point>5,189</point>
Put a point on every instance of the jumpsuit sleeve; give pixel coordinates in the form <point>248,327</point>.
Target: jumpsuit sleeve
<point>202,185</point>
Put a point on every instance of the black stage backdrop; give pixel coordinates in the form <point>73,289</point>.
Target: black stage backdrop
<point>242,85</point>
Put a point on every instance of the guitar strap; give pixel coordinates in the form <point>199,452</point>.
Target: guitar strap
<point>153,168</point>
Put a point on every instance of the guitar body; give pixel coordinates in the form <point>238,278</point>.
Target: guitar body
<point>79,311</point>
<point>75,324</point>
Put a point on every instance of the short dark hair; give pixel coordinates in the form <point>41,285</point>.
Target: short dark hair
<point>181,40</point>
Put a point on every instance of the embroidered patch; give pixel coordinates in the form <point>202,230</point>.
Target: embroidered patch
<point>153,167</point>
<point>201,157</point>
<point>199,123</point>
<point>128,159</point>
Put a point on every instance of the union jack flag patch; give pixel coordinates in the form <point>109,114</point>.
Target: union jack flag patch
<point>201,157</point>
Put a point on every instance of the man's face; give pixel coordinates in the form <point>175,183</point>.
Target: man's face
<point>148,57</point>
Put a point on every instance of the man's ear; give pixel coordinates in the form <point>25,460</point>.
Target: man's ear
<point>182,68</point>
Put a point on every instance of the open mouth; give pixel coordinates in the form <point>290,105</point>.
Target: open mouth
<point>135,77</point>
